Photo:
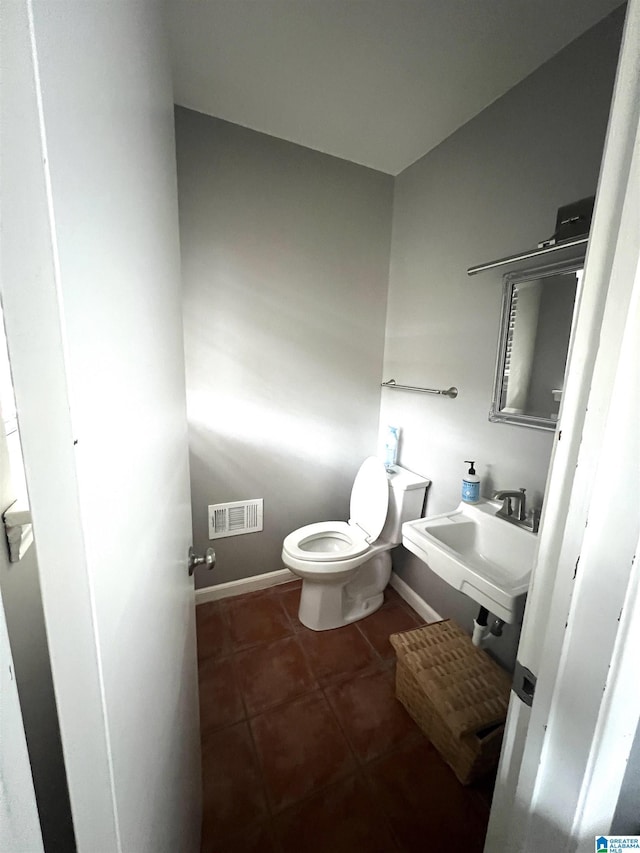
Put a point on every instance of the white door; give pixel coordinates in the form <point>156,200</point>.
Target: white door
<point>91,297</point>
<point>562,770</point>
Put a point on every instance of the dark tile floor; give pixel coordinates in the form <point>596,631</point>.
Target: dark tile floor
<point>304,745</point>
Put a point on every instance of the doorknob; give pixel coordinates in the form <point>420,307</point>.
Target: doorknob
<point>194,560</point>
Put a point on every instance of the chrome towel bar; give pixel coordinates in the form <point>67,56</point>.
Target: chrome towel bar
<point>447,392</point>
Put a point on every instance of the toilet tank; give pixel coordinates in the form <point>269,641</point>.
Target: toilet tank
<point>406,499</point>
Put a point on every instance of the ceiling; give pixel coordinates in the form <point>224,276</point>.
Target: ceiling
<point>377,82</point>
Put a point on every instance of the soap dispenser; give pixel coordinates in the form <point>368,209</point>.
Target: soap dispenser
<point>471,485</point>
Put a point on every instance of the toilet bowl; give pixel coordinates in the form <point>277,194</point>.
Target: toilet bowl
<point>345,565</point>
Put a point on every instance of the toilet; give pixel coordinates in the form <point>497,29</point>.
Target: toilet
<point>346,565</point>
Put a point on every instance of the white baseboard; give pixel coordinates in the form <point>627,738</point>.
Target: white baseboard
<point>239,587</point>
<point>414,600</point>
<point>251,584</point>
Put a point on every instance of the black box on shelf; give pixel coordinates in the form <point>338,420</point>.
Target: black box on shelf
<point>574,220</point>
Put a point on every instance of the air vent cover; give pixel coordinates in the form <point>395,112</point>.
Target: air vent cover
<point>232,519</point>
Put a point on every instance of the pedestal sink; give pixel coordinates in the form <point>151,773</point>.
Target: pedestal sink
<point>487,558</point>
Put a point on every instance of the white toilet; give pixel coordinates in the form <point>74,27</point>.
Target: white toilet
<point>345,566</point>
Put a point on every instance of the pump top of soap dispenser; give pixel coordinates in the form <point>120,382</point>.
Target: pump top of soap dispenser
<point>472,470</point>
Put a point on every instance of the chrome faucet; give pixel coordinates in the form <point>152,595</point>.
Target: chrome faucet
<point>517,515</point>
<point>506,510</point>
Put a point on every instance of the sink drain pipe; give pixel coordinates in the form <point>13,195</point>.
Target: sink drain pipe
<point>480,627</point>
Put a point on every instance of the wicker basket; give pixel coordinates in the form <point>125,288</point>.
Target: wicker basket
<point>455,693</point>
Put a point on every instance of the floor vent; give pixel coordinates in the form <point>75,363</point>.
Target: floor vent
<point>232,519</point>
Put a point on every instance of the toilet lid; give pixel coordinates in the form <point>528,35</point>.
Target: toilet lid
<point>370,498</point>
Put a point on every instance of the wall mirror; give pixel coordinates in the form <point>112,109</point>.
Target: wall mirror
<point>537,316</point>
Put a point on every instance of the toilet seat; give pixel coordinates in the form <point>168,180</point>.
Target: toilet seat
<point>342,541</point>
<point>335,541</point>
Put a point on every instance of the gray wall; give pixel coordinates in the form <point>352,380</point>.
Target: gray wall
<point>20,593</point>
<point>489,190</point>
<point>285,256</point>
<point>626,820</point>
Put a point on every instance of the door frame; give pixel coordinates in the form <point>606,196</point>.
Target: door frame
<point>564,760</point>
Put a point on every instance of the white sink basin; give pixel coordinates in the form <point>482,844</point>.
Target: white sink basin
<point>487,558</point>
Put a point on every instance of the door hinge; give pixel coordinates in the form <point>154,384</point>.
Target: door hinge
<point>524,683</point>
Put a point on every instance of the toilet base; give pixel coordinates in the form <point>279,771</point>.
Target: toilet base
<point>324,606</point>
<point>321,607</point>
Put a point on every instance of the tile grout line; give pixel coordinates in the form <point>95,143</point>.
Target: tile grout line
<point>263,780</point>
<point>322,789</point>
<point>364,763</point>
<point>378,664</point>
<point>265,791</point>
<point>246,721</point>
<point>295,637</point>
<point>275,813</point>
<point>340,729</point>
<point>368,641</point>
<point>361,766</point>
<point>369,788</point>
<point>272,812</point>
<point>321,691</point>
<point>232,657</point>
<point>360,773</point>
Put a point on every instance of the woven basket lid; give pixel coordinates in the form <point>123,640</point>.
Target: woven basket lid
<point>470,691</point>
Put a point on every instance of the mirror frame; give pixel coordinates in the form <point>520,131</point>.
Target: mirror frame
<point>571,264</point>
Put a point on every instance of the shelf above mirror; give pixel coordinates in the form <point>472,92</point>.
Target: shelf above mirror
<point>558,252</point>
